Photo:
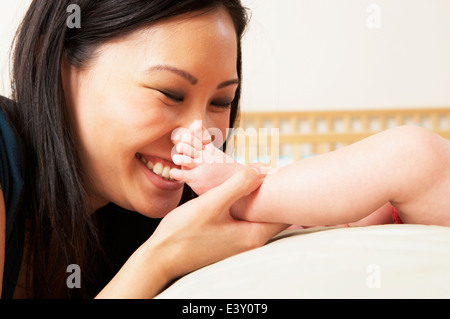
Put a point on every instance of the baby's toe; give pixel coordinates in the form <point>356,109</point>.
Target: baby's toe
<point>187,150</point>
<point>183,160</point>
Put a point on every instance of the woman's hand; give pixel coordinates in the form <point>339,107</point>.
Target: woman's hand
<point>194,235</point>
<point>202,231</point>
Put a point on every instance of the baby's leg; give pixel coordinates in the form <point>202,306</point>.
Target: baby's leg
<point>407,167</point>
<point>425,191</point>
<point>204,166</point>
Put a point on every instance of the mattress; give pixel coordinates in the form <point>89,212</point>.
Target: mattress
<point>389,261</point>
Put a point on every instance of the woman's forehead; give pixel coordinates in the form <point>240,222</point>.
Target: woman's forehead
<point>183,41</point>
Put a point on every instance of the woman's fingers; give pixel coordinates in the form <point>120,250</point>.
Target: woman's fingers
<point>241,184</point>
<point>202,231</point>
<point>250,234</point>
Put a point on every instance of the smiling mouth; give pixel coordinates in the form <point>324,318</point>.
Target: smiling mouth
<point>158,167</point>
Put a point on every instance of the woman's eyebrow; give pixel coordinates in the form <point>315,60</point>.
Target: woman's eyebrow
<point>227,83</point>
<point>189,77</point>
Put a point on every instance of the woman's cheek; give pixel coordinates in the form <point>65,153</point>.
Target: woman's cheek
<point>218,127</point>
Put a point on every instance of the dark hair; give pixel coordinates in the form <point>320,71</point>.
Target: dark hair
<point>61,231</point>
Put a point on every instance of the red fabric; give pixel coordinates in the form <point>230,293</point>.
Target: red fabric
<point>395,217</point>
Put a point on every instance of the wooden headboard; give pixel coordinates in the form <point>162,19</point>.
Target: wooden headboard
<point>304,134</point>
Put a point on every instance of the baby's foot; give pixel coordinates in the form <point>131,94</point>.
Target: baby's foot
<point>204,166</point>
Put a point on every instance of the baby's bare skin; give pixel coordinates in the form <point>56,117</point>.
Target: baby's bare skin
<point>406,167</point>
<point>204,166</point>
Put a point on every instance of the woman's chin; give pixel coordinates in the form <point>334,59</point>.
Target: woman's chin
<point>158,207</point>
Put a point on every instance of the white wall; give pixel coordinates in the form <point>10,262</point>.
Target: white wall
<point>322,54</point>
<point>11,13</point>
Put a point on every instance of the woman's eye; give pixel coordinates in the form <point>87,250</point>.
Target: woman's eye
<point>221,104</point>
<point>173,96</point>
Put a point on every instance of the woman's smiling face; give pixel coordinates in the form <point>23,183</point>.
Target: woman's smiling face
<point>136,91</point>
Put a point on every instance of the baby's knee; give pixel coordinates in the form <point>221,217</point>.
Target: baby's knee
<point>423,152</point>
<point>423,144</point>
<point>425,176</point>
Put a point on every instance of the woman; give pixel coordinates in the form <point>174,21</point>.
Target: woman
<point>89,104</point>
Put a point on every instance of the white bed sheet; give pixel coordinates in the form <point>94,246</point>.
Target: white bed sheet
<point>391,261</point>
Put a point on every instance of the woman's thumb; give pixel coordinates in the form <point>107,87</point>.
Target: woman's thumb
<point>239,185</point>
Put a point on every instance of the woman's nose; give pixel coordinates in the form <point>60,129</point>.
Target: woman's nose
<point>194,116</point>
<point>187,124</point>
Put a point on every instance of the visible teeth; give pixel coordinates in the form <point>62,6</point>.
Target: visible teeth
<point>163,171</point>
<point>166,172</point>
<point>158,168</point>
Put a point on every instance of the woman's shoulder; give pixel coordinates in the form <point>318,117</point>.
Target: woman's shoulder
<point>11,178</point>
<point>11,183</point>
<point>5,100</point>
<point>5,103</point>
<point>6,127</point>
<point>8,135</point>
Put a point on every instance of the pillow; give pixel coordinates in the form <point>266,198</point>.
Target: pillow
<point>390,261</point>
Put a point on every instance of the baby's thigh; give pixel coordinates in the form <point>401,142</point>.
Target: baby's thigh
<point>429,198</point>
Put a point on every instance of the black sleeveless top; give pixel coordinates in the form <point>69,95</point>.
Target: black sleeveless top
<point>11,182</point>
<point>121,231</point>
